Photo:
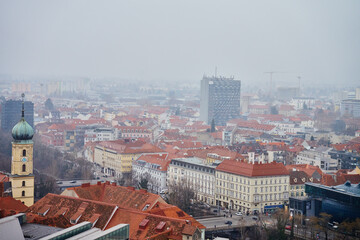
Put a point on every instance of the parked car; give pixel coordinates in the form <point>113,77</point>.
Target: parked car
<point>288,227</point>
<point>255,218</point>
<point>228,222</point>
<point>238,213</point>
<point>163,191</point>
<point>227,210</point>
<point>215,210</point>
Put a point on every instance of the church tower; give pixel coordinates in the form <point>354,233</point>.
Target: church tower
<point>22,177</point>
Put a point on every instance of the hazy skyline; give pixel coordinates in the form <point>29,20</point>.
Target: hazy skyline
<point>182,40</point>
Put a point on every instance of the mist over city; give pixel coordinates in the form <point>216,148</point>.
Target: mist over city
<point>179,119</point>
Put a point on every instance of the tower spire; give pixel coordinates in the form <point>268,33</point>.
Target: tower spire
<point>23,106</point>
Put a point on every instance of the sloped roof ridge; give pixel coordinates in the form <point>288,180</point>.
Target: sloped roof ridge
<point>82,199</point>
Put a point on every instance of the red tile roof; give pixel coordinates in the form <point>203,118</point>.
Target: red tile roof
<point>62,127</point>
<point>286,108</point>
<point>123,147</point>
<point>78,207</point>
<point>184,144</point>
<point>217,135</point>
<point>150,226</point>
<point>11,206</point>
<point>4,178</point>
<point>159,159</point>
<point>252,170</point>
<point>172,211</point>
<point>308,169</point>
<point>126,197</point>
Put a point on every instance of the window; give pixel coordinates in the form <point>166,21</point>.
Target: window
<point>24,153</point>
<point>23,193</point>
<point>23,183</point>
<point>24,168</point>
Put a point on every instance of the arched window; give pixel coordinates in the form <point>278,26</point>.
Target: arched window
<point>24,153</point>
<point>23,194</point>
<point>24,168</point>
<point>23,183</point>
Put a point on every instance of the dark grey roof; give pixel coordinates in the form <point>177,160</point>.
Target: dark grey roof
<point>37,231</point>
<point>348,187</point>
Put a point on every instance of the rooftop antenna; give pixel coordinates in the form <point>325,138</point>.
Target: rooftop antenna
<point>23,108</point>
<point>299,78</point>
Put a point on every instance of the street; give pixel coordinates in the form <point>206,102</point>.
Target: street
<point>219,221</point>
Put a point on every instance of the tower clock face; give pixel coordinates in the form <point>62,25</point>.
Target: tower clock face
<point>24,159</point>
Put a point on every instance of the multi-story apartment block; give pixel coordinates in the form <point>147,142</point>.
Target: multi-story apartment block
<point>116,157</point>
<point>350,107</point>
<point>318,157</point>
<point>134,132</point>
<point>11,113</point>
<point>347,159</point>
<point>297,182</point>
<point>152,167</point>
<point>69,140</point>
<point>220,99</point>
<point>100,134</point>
<point>302,103</point>
<point>251,187</point>
<point>199,174</point>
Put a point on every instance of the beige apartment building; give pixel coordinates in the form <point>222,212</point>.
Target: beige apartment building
<point>251,187</point>
<point>198,173</point>
<point>116,157</point>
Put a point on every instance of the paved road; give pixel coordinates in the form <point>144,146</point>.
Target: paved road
<point>236,220</point>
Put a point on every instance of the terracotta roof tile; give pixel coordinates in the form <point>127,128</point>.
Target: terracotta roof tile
<point>158,159</point>
<point>252,170</point>
<point>83,209</point>
<point>308,169</point>
<point>126,197</point>
<point>10,206</point>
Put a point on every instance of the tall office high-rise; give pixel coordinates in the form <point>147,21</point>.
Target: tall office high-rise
<point>220,99</point>
<point>11,113</point>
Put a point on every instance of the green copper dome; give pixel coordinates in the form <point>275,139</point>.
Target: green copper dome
<point>22,131</point>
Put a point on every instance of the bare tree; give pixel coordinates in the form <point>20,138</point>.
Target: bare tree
<point>321,223</point>
<point>182,194</point>
<point>347,228</point>
<point>242,228</point>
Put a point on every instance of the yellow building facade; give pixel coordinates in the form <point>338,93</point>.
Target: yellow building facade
<point>114,160</point>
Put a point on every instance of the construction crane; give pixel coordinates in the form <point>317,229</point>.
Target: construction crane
<point>271,82</point>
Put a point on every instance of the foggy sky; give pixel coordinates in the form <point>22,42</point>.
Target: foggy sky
<point>182,40</point>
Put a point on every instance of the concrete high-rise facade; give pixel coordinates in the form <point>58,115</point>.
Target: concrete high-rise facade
<point>220,99</point>
<point>11,113</point>
<point>350,107</point>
